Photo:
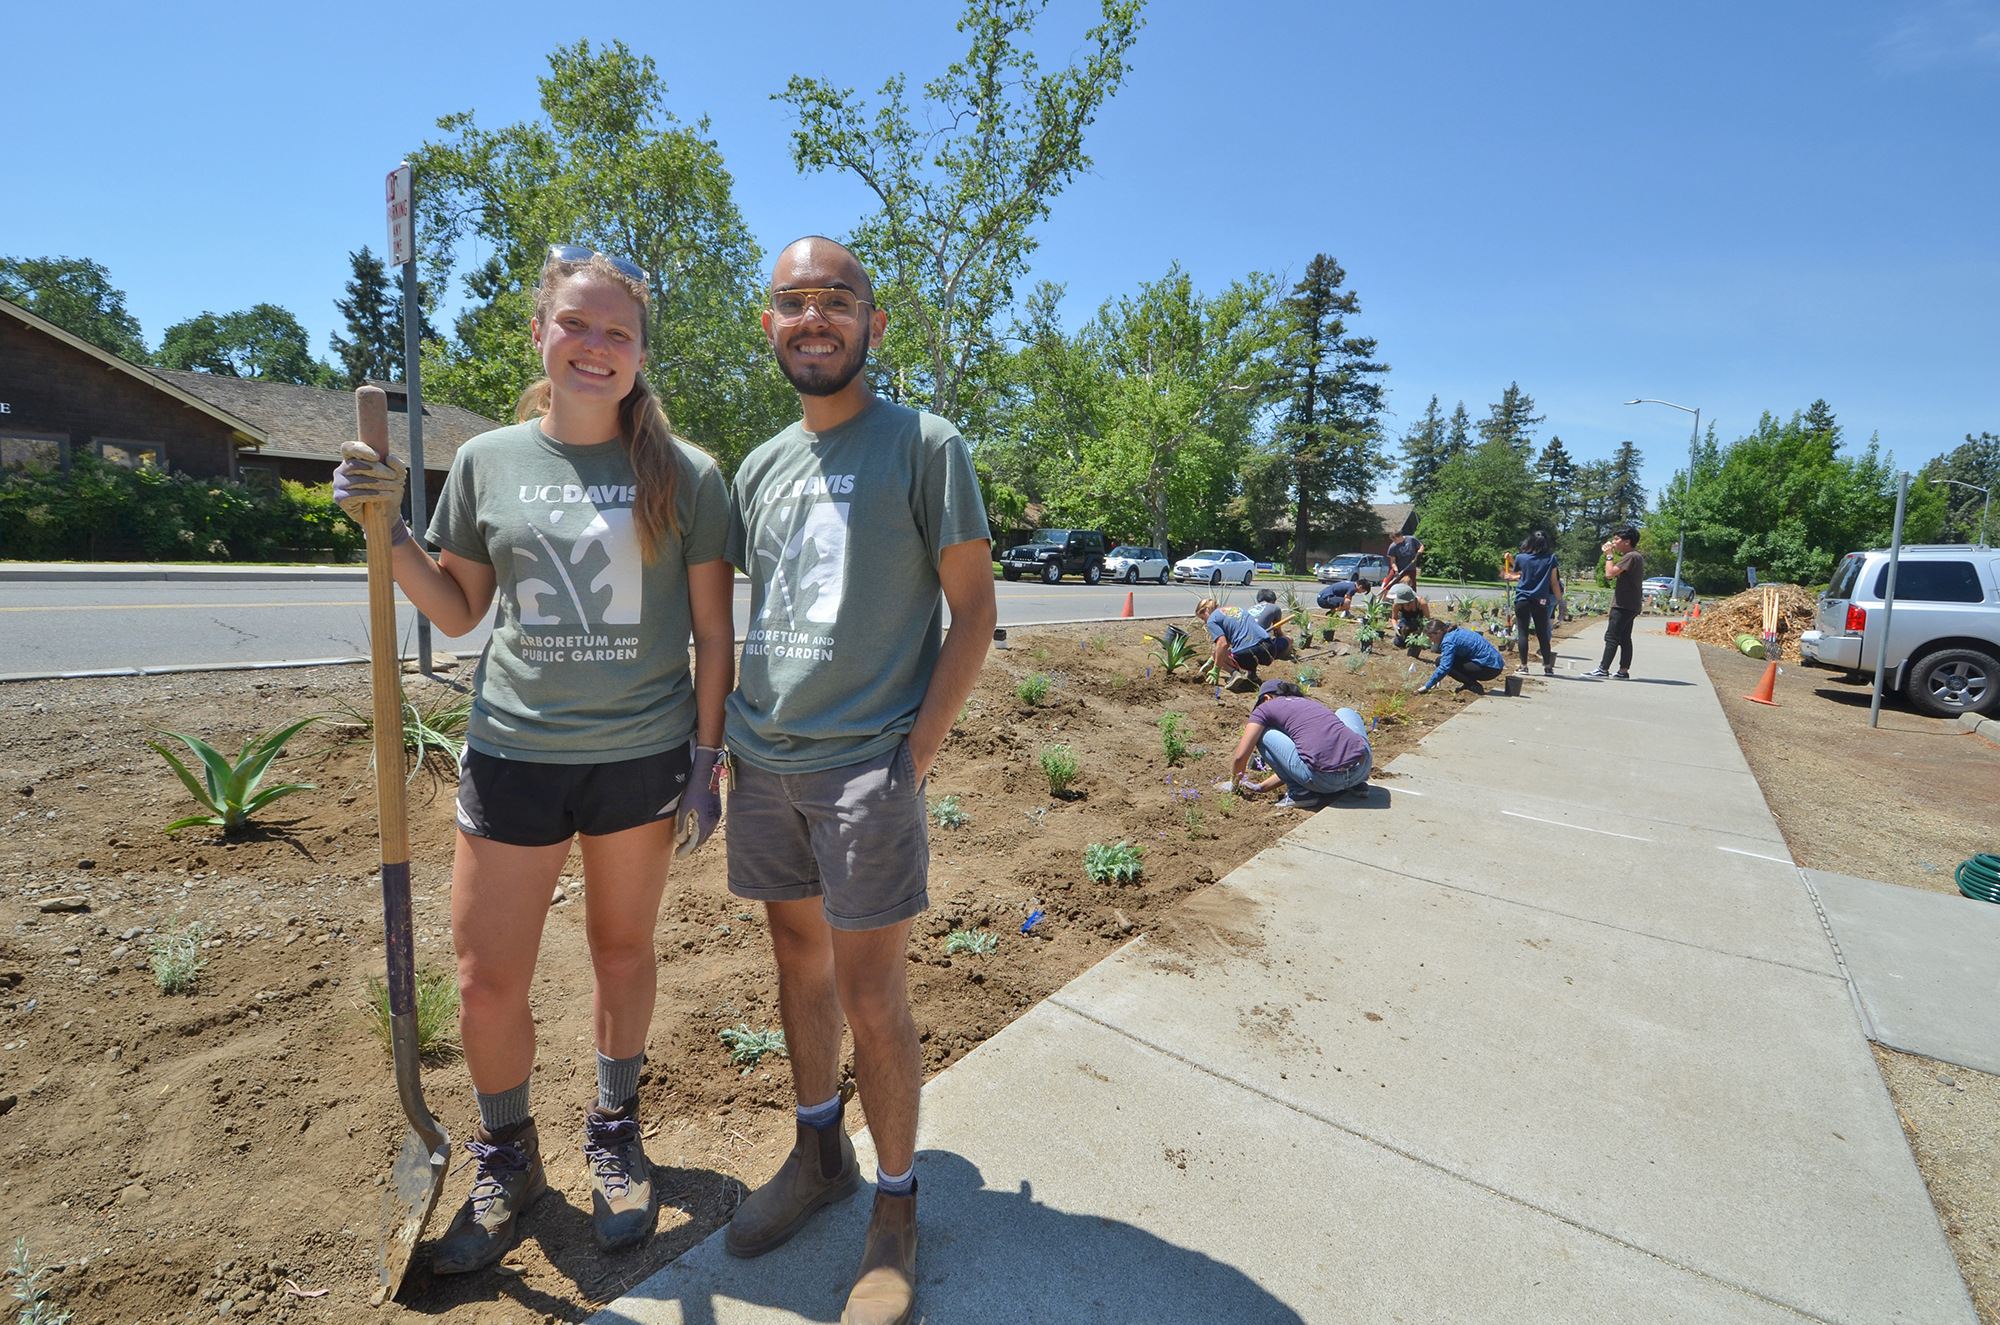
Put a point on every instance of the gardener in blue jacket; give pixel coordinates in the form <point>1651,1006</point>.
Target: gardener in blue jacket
<point>1466,656</point>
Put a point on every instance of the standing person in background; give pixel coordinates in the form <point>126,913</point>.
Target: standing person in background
<point>1403,555</point>
<point>1534,579</point>
<point>1466,656</point>
<point>857,526</point>
<point>590,519</point>
<point>1317,752</point>
<point>1625,567</point>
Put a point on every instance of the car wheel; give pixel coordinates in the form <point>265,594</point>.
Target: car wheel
<point>1052,572</point>
<point>1165,576</point>
<point>1009,574</point>
<point>1092,573</point>
<point>1954,681</point>
<point>1215,578</point>
<point>1247,575</point>
<point>1131,575</point>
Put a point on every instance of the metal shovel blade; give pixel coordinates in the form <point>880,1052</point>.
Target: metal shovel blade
<point>407,1203</point>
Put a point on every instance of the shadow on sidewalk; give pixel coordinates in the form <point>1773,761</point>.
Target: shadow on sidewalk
<point>991,1257</point>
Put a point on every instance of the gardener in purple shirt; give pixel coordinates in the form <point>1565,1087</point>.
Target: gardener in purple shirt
<point>1318,752</point>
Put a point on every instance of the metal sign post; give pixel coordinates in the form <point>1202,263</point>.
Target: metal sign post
<point>403,253</point>
<point>1889,599</point>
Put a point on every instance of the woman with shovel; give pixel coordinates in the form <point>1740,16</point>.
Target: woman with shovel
<point>602,534</point>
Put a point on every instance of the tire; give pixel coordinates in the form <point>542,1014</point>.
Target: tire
<point>1166,575</point>
<point>1954,681</point>
<point>1131,575</point>
<point>1215,579</point>
<point>1010,574</point>
<point>1093,573</point>
<point>1052,572</point>
<point>1248,575</point>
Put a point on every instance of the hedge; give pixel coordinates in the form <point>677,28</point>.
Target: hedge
<point>105,512</point>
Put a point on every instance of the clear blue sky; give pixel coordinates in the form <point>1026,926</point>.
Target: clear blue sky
<point>1739,207</point>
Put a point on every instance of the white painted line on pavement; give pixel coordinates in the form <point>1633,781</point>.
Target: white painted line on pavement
<point>1579,827</point>
<point>1780,860</point>
<point>1400,791</point>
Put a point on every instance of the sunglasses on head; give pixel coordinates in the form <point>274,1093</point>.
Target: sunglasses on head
<point>584,253</point>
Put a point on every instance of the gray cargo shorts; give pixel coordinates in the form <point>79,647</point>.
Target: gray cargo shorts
<point>858,837</point>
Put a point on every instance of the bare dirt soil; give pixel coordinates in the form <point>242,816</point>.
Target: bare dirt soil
<point>220,1152</point>
<point>1903,803</point>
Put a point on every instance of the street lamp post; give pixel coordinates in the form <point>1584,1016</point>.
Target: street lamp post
<point>1984,513</point>
<point>1687,498</point>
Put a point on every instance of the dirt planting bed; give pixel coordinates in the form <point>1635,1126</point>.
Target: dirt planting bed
<point>168,1154</point>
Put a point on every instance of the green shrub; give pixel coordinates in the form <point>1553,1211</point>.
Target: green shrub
<point>175,956</point>
<point>747,1047</point>
<point>977,942</point>
<point>35,1308</point>
<point>1116,863</point>
<point>946,814</point>
<point>1059,766</point>
<point>1173,737</point>
<point>1034,688</point>
<point>100,509</point>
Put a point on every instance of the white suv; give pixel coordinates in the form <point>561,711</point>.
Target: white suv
<point>1944,652</point>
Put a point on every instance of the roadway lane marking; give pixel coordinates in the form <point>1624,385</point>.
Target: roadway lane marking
<point>1579,827</point>
<point>1734,851</point>
<point>149,607</point>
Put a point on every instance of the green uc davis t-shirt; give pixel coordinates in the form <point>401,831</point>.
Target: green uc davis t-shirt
<point>840,534</point>
<point>589,657</point>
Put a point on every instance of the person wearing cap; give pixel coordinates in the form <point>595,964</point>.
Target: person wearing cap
<point>1466,656</point>
<point>1407,614</point>
<point>1240,644</point>
<point>1316,752</point>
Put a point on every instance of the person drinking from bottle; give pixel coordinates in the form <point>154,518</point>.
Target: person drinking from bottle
<point>602,535</point>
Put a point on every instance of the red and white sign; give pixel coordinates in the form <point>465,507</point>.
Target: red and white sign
<point>402,223</point>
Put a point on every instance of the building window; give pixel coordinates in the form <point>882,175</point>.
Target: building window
<point>31,450</point>
<point>263,477</point>
<point>132,455</point>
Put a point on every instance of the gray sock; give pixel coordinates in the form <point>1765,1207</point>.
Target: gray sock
<point>617,1079</point>
<point>504,1109</point>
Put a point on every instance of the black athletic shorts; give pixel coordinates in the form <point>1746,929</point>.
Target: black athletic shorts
<point>538,805</point>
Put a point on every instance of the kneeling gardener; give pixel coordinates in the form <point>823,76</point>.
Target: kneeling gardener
<point>855,526</point>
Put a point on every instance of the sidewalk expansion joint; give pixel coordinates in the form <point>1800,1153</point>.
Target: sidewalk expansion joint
<point>1432,1165</point>
<point>1840,960</point>
<point>1567,915</point>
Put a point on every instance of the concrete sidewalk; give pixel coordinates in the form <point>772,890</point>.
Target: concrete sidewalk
<point>1547,1031</point>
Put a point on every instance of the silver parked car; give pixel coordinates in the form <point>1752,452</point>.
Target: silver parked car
<point>1366,569</point>
<point>1215,566</point>
<point>1133,564</point>
<point>1944,652</point>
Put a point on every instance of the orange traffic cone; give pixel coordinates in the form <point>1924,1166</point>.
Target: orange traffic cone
<point>1128,606</point>
<point>1762,694</point>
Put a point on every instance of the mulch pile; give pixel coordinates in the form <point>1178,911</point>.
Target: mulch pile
<point>1721,621</point>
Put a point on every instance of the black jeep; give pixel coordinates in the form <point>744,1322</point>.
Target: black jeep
<point>1054,553</point>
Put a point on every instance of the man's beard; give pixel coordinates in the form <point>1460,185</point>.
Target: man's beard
<point>818,377</point>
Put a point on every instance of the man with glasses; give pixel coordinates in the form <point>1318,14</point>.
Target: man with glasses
<point>856,526</point>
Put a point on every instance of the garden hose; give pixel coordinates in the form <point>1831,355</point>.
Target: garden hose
<point>1979,878</point>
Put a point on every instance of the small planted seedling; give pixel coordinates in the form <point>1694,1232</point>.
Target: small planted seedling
<point>1191,816</point>
<point>1117,862</point>
<point>1059,766</point>
<point>946,814</point>
<point>975,941</point>
<point>437,1013</point>
<point>1310,676</point>
<point>175,956</point>
<point>1354,662</point>
<point>1101,643</point>
<point>1034,688</point>
<point>229,791</point>
<point>747,1047</point>
<point>35,1308</point>
<point>1173,737</point>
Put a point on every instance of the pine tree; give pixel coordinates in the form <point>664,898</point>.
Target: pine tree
<point>1625,494</point>
<point>1819,422</point>
<point>1558,477</point>
<point>372,309</point>
<point>1512,419</point>
<point>1458,439</point>
<point>1333,392</point>
<point>1426,448</point>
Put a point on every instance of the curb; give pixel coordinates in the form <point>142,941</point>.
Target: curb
<point>49,573</point>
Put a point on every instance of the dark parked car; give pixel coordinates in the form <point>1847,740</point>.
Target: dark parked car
<point>1054,553</point>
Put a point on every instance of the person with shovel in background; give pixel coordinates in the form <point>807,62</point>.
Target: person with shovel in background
<point>603,535</point>
<point>856,526</point>
<point>1317,753</point>
<point>1537,587</point>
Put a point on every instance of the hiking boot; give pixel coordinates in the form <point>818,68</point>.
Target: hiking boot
<point>622,1210</point>
<point>885,1290</point>
<point>820,1170</point>
<point>508,1180</point>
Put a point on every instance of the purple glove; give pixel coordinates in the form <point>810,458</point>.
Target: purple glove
<point>362,477</point>
<point>701,805</point>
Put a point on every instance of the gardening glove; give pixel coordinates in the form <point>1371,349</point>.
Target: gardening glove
<point>362,477</point>
<point>701,805</point>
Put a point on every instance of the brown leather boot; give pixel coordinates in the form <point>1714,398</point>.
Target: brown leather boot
<point>885,1292</point>
<point>820,1170</point>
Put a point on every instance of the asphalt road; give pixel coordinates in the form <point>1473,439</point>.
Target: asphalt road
<point>56,627</point>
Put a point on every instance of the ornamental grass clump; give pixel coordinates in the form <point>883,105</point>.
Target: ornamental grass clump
<point>1173,737</point>
<point>1175,652</point>
<point>436,1014</point>
<point>1059,766</point>
<point>1117,862</point>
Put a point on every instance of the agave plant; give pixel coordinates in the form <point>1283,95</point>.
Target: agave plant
<point>1175,652</point>
<point>230,791</point>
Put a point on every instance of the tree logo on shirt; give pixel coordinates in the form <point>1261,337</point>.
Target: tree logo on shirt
<point>804,571</point>
<point>599,577</point>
